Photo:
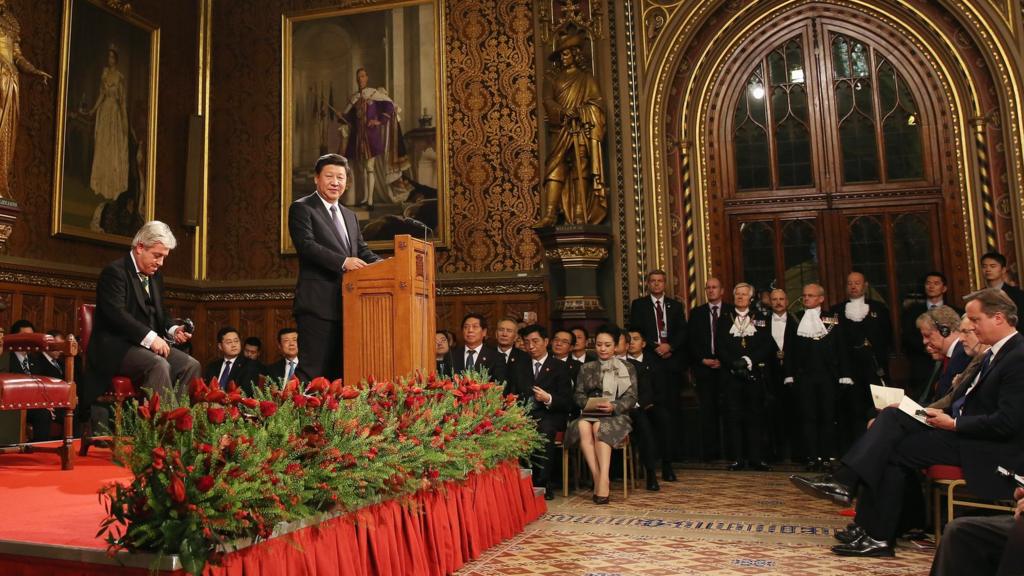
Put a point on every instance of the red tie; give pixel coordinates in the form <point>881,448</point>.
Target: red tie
<point>660,315</point>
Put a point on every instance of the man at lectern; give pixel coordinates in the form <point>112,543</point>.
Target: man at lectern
<point>327,238</point>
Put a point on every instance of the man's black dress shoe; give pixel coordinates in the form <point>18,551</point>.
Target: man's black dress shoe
<point>549,494</point>
<point>866,547</point>
<point>737,465</point>
<point>652,483</point>
<point>824,487</point>
<point>851,533</point>
<point>667,474</point>
<point>814,465</point>
<point>761,466</point>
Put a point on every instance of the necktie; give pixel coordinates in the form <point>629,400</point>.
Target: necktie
<point>145,283</point>
<point>342,232</point>
<point>26,366</point>
<point>469,359</point>
<point>225,372</point>
<point>958,406</point>
<point>714,326</point>
<point>659,314</point>
<point>291,371</point>
<point>536,369</point>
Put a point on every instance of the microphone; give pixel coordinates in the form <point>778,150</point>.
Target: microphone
<point>415,222</point>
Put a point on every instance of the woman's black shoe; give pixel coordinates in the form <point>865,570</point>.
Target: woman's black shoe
<point>600,499</point>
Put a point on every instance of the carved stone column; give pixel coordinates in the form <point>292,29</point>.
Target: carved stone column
<point>9,212</point>
<point>574,253</point>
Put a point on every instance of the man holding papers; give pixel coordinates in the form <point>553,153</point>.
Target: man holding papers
<point>982,428</point>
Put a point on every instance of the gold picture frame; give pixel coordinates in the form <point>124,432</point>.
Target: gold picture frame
<point>389,120</point>
<point>105,154</point>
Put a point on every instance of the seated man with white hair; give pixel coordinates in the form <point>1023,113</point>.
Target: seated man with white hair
<point>131,334</point>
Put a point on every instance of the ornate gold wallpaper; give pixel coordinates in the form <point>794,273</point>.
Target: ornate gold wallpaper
<point>492,128</point>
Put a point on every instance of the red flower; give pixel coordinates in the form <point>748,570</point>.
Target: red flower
<point>216,396</point>
<point>176,489</point>
<point>332,403</point>
<point>144,412</point>
<point>319,384</point>
<point>204,483</point>
<point>313,402</point>
<point>154,404</point>
<point>250,402</point>
<point>299,400</point>
<point>348,392</point>
<point>184,424</point>
<point>215,414</point>
<point>267,408</point>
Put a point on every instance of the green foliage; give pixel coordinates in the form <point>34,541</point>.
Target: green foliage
<point>222,467</point>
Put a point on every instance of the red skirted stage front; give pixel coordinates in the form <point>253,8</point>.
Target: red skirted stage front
<point>51,518</point>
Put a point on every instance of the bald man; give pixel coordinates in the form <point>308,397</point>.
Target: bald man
<point>816,365</point>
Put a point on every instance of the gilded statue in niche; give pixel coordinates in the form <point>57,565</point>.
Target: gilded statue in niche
<point>574,180</point>
<point>11,62</point>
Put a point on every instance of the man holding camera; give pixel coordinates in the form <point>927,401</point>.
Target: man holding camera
<point>744,345</point>
<point>131,334</point>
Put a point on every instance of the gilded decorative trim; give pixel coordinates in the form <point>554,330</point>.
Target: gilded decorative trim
<point>30,279</point>
<point>527,287</point>
<point>640,252</point>
<point>988,214</point>
<point>255,296</point>
<point>204,47</point>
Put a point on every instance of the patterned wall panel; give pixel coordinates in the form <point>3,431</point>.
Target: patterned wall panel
<point>32,176</point>
<point>492,125</point>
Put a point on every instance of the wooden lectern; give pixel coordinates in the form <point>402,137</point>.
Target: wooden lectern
<point>388,310</point>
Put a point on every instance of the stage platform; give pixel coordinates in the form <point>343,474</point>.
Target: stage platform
<point>51,518</point>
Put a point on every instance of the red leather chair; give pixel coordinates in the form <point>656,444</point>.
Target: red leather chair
<point>120,389</point>
<point>27,392</point>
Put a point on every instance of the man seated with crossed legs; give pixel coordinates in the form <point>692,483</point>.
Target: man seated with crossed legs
<point>982,428</point>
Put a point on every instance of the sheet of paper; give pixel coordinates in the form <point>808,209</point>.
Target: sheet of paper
<point>884,396</point>
<point>593,403</point>
<point>915,410</point>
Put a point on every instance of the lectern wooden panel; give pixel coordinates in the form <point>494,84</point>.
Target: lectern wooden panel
<point>388,309</point>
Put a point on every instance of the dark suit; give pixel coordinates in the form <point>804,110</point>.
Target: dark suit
<point>244,373</point>
<point>553,378</point>
<point>989,433</point>
<point>868,342</point>
<point>816,365</point>
<point>744,387</point>
<point>276,371</point>
<point>1017,295</point>
<point>667,374</point>
<point>513,354</point>
<point>317,306</point>
<point>645,417</point>
<point>124,315</point>
<point>921,363</point>
<point>38,365</point>
<point>981,545</point>
<point>708,380</point>
<point>782,412</point>
<point>943,381</point>
<point>488,358</point>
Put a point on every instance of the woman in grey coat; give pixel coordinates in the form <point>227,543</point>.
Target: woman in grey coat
<point>596,432</point>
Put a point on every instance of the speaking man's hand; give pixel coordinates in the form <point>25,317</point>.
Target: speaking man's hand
<point>353,263</point>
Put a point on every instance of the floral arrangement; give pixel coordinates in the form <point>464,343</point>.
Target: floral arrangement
<point>222,466</point>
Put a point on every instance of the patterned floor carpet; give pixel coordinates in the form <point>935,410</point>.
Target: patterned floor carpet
<point>709,522</point>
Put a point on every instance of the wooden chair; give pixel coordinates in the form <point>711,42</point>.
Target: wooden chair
<point>29,392</point>
<point>947,479</point>
<point>120,388</point>
<point>628,465</point>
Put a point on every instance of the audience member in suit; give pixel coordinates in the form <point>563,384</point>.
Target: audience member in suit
<point>976,351</point>
<point>744,348</point>
<point>867,332</point>
<point>939,330</point>
<point>921,363</point>
<point>505,335</point>
<point>982,428</point>
<point>983,544</point>
<point>703,328</point>
<point>232,365</point>
<point>817,364</point>
<point>645,415</point>
<point>661,321</point>
<point>473,354</point>
<point>993,269</point>
<point>32,364</point>
<point>442,354</point>
<point>580,353</point>
<point>562,342</point>
<point>130,325</point>
<point>784,416</point>
<point>614,381</point>
<point>329,243</point>
<point>287,366</point>
<point>542,382</point>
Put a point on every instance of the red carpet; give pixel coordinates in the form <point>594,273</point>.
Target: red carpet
<point>45,505</point>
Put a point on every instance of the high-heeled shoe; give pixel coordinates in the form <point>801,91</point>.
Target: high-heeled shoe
<point>600,499</point>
